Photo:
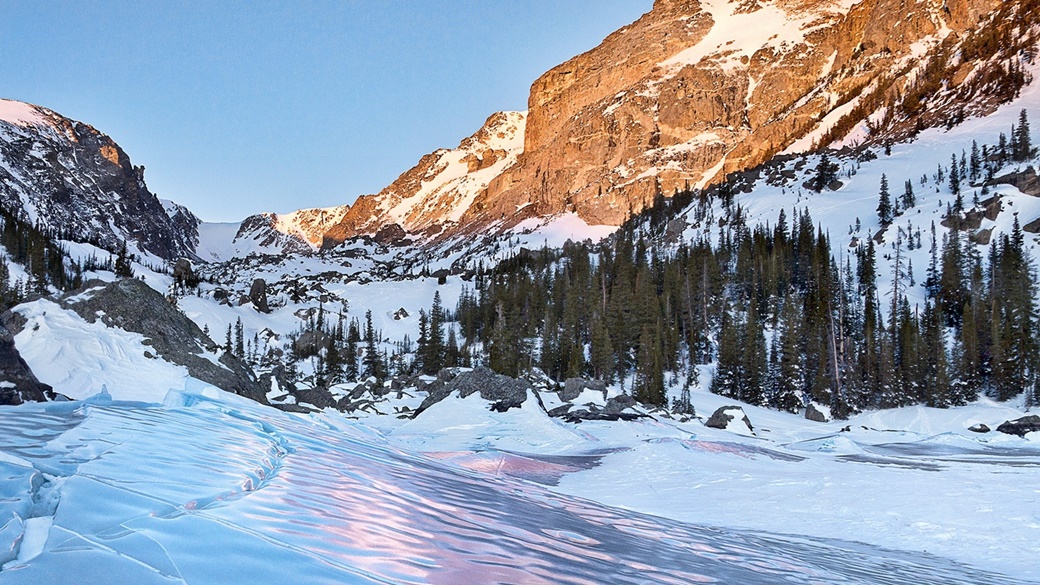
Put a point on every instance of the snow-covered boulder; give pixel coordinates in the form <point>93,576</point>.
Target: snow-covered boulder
<point>812,413</point>
<point>1021,426</point>
<point>133,306</point>
<point>730,418</point>
<point>573,388</point>
<point>504,392</point>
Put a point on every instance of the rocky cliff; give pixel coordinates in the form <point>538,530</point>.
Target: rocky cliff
<point>695,90</point>
<point>72,179</point>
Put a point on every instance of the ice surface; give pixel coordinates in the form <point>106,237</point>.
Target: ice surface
<point>221,490</point>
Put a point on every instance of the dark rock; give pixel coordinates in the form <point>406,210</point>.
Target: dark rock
<point>280,379</point>
<point>721,418</point>
<point>813,414</point>
<point>244,300</point>
<point>184,272</point>
<point>979,428</point>
<point>1021,426</point>
<point>560,410</point>
<point>258,295</point>
<point>309,342</point>
<point>619,403</point>
<point>18,384</point>
<point>400,314</point>
<point>319,397</point>
<point>221,295</point>
<point>503,391</point>
<point>390,234</point>
<point>573,387</point>
<point>982,237</point>
<point>133,306</point>
<point>1025,181</point>
<point>578,416</point>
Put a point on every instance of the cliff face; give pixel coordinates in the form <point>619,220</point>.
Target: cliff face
<point>692,91</point>
<point>433,195</point>
<point>69,177</point>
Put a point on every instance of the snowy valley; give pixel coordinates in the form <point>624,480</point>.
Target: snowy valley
<point>423,388</point>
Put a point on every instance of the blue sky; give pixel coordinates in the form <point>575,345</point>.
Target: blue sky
<point>241,107</point>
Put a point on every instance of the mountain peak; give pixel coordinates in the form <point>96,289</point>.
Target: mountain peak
<point>22,114</point>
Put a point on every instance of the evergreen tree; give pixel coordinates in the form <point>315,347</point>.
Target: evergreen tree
<point>648,387</point>
<point>955,176</point>
<point>884,207</point>
<point>726,381</point>
<point>787,381</point>
<point>239,337</point>
<point>372,362</point>
<point>433,361</point>
<point>333,363</point>
<point>909,199</point>
<point>350,364</point>
<point>1022,146</point>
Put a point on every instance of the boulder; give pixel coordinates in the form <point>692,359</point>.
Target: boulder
<point>258,295</point>
<point>573,387</point>
<point>318,397</point>
<point>400,314</point>
<point>133,306</point>
<point>812,413</point>
<point>725,415</point>
<point>1021,426</point>
<point>309,342</point>
<point>504,392</point>
<point>979,428</point>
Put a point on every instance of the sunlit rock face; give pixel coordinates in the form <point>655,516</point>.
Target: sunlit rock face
<point>694,90</point>
<point>686,94</point>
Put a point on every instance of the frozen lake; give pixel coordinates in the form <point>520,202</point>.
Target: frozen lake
<point>220,490</point>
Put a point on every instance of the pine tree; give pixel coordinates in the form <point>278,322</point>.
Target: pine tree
<point>909,199</point>
<point>975,166</point>
<point>726,381</point>
<point>333,362</point>
<point>433,361</point>
<point>787,382</point>
<point>239,338</point>
<point>955,175</point>
<point>649,382</point>
<point>373,360</point>
<point>1022,146</point>
<point>884,207</point>
<point>826,172</point>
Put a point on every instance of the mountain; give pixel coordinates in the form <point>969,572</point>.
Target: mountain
<point>693,91</point>
<point>73,180</point>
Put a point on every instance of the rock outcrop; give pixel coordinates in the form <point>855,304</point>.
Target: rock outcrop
<point>133,306</point>
<point>18,384</point>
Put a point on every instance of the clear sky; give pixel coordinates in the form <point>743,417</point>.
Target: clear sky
<point>240,107</point>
